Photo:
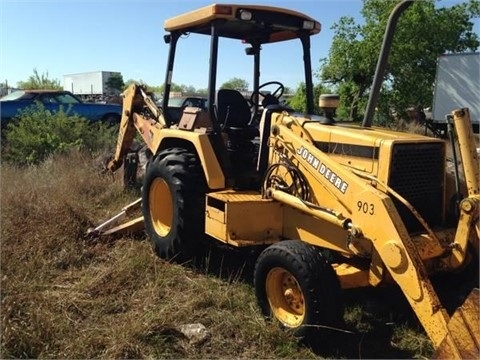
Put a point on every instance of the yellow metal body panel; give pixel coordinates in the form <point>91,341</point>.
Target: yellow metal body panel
<point>350,276</point>
<point>228,12</point>
<point>155,136</point>
<point>298,225</point>
<point>243,218</point>
<point>359,148</point>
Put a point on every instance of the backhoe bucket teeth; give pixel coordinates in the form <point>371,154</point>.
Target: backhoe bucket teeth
<point>463,338</point>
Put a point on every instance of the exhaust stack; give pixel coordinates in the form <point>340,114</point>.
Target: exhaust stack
<point>382,61</point>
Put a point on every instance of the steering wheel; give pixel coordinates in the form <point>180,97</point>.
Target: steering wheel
<point>269,98</point>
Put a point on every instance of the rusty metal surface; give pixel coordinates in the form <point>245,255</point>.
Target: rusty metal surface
<point>463,338</point>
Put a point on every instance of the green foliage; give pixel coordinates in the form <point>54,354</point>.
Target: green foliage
<point>287,91</point>
<point>298,101</point>
<point>37,81</point>
<point>350,101</point>
<point>130,82</point>
<point>203,92</point>
<point>37,133</point>
<point>150,88</point>
<point>423,33</point>
<point>235,84</point>
<point>115,82</point>
<point>184,89</point>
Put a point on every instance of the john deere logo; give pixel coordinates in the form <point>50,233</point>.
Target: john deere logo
<point>323,169</point>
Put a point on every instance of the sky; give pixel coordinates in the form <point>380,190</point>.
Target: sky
<point>62,37</point>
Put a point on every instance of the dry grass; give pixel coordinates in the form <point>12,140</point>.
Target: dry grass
<point>66,296</point>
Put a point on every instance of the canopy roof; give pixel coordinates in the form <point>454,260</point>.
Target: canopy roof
<point>251,23</point>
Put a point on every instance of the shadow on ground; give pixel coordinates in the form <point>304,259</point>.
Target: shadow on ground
<point>375,318</point>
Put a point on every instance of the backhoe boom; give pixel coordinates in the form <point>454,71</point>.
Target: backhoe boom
<point>135,102</point>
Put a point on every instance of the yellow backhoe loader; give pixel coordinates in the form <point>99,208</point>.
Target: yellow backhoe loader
<point>253,172</point>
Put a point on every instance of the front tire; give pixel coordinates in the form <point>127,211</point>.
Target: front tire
<point>296,285</point>
<point>173,203</point>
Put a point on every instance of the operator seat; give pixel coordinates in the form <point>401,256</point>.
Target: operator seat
<point>233,114</point>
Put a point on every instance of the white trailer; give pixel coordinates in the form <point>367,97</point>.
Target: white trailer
<point>88,83</point>
<point>457,85</point>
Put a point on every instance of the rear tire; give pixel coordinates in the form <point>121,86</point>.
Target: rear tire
<point>296,285</point>
<point>173,203</point>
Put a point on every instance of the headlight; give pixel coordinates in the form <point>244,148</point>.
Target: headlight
<point>245,15</point>
<point>308,25</point>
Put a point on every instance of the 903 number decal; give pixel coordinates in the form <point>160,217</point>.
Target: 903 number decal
<point>366,208</point>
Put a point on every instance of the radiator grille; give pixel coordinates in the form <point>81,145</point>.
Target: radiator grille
<point>417,173</point>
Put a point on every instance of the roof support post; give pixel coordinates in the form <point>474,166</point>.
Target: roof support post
<point>172,39</point>
<point>307,62</point>
<point>212,76</point>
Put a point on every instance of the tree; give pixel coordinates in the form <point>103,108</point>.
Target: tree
<point>298,101</point>
<point>37,81</point>
<point>115,82</point>
<point>423,32</point>
<point>188,89</point>
<point>203,92</point>
<point>184,89</point>
<point>287,90</point>
<point>156,89</point>
<point>138,82</point>
<point>130,82</point>
<point>235,84</point>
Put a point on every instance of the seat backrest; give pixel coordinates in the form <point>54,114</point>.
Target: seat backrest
<point>232,109</point>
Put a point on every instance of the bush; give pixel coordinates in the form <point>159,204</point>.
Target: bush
<point>38,133</point>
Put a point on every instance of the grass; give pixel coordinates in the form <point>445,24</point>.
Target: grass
<point>64,295</point>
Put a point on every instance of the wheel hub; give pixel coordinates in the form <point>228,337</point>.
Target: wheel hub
<point>161,206</point>
<point>285,297</point>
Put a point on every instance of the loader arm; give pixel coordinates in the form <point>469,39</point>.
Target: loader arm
<point>337,190</point>
<point>135,101</point>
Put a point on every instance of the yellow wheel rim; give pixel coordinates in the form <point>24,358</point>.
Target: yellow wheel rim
<point>285,297</point>
<point>161,207</point>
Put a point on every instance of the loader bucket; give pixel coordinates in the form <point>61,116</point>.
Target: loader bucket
<point>463,338</point>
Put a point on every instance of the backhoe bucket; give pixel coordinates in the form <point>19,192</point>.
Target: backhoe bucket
<point>463,338</point>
